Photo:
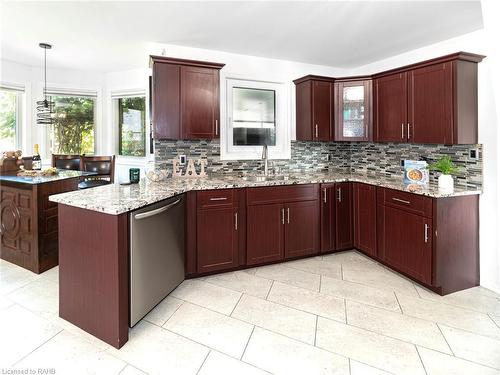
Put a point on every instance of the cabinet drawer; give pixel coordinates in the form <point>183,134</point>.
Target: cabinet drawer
<point>215,198</point>
<point>415,203</point>
<point>277,194</point>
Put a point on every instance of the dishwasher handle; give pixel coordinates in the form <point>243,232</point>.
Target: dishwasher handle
<point>145,215</point>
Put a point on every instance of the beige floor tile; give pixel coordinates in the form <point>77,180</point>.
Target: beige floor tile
<point>5,302</point>
<point>360,293</point>
<point>353,260</point>
<point>318,266</point>
<point>219,364</point>
<point>71,328</point>
<point>382,279</point>
<point>158,351</point>
<point>308,301</point>
<point>281,355</point>
<point>207,295</point>
<point>70,354</point>
<point>40,296</point>
<point>471,299</point>
<point>131,370</point>
<point>358,368</point>
<point>21,331</point>
<point>52,274</point>
<point>241,281</point>
<point>449,315</point>
<point>13,277</point>
<point>368,347</point>
<point>496,319</point>
<point>393,324</point>
<point>277,318</point>
<point>437,363</point>
<point>215,330</point>
<point>475,348</point>
<point>291,276</point>
<point>163,311</point>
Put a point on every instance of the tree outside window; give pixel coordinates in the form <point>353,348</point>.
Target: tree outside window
<point>132,126</point>
<point>8,120</point>
<point>73,125</point>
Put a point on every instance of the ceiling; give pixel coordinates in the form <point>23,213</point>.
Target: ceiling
<point>112,36</point>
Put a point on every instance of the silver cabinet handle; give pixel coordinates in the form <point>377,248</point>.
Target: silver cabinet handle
<point>408,131</point>
<point>401,200</point>
<point>316,130</point>
<point>218,199</point>
<point>235,221</point>
<point>402,131</point>
<point>426,233</point>
<point>216,127</point>
<point>339,194</point>
<point>145,215</point>
<point>282,216</point>
<point>324,195</point>
<point>288,215</point>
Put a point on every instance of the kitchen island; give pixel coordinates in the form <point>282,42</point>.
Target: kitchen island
<point>29,220</point>
<point>94,269</point>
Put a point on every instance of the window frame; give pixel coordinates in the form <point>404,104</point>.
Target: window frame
<point>282,149</point>
<point>115,97</point>
<point>20,98</point>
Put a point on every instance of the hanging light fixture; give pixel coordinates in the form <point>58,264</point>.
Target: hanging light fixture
<point>44,107</point>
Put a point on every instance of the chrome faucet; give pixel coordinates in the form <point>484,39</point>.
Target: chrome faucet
<point>266,161</point>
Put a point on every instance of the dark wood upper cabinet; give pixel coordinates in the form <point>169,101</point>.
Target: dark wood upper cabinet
<point>434,101</point>
<point>343,216</point>
<point>365,218</point>
<point>185,97</point>
<point>390,108</point>
<point>314,108</point>
<point>301,228</point>
<point>353,110</point>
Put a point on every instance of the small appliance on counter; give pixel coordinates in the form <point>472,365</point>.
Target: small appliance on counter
<point>416,172</point>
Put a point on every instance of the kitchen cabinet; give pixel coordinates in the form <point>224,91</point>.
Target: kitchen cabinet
<point>353,110</point>
<point>336,217</point>
<point>282,222</point>
<point>185,97</point>
<point>430,102</point>
<point>365,218</point>
<point>314,108</point>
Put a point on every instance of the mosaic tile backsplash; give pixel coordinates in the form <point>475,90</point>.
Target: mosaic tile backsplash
<point>380,158</point>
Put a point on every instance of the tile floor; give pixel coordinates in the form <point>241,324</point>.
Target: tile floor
<point>337,314</point>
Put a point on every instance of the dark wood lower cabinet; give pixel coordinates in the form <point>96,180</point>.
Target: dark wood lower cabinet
<point>327,212</point>
<point>365,218</point>
<point>265,226</point>
<point>301,228</point>
<point>343,216</point>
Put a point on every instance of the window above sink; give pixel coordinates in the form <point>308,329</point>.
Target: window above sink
<point>254,113</point>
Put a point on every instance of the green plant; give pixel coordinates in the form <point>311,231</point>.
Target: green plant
<point>445,165</point>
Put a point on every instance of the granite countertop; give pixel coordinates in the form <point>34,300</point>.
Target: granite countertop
<point>116,199</point>
<point>61,175</point>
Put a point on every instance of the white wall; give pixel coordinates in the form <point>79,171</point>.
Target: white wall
<point>481,42</point>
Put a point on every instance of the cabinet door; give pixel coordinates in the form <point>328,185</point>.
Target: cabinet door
<point>301,228</point>
<point>327,207</point>
<point>390,108</point>
<point>353,108</point>
<point>303,111</point>
<point>200,102</point>
<point>265,233</point>
<point>430,104</point>
<point>365,218</point>
<point>166,101</point>
<point>217,239</point>
<point>406,242</point>
<point>322,110</point>
<point>343,216</point>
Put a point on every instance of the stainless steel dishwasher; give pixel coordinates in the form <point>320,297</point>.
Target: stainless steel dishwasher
<point>156,254</point>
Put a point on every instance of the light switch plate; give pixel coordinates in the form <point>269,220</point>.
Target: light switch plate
<point>182,159</point>
<point>474,153</point>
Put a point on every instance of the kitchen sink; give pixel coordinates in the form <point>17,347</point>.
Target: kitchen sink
<point>264,178</point>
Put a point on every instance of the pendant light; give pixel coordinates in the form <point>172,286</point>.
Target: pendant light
<point>44,107</point>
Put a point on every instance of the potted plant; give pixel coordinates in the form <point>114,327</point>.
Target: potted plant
<point>447,168</point>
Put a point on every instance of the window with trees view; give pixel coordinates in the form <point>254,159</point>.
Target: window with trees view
<point>73,129</point>
<point>9,120</point>
<point>131,126</point>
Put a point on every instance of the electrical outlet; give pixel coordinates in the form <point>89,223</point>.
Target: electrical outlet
<point>402,163</point>
<point>474,153</point>
<point>182,159</point>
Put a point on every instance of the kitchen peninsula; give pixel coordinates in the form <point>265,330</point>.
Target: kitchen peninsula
<point>429,236</point>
